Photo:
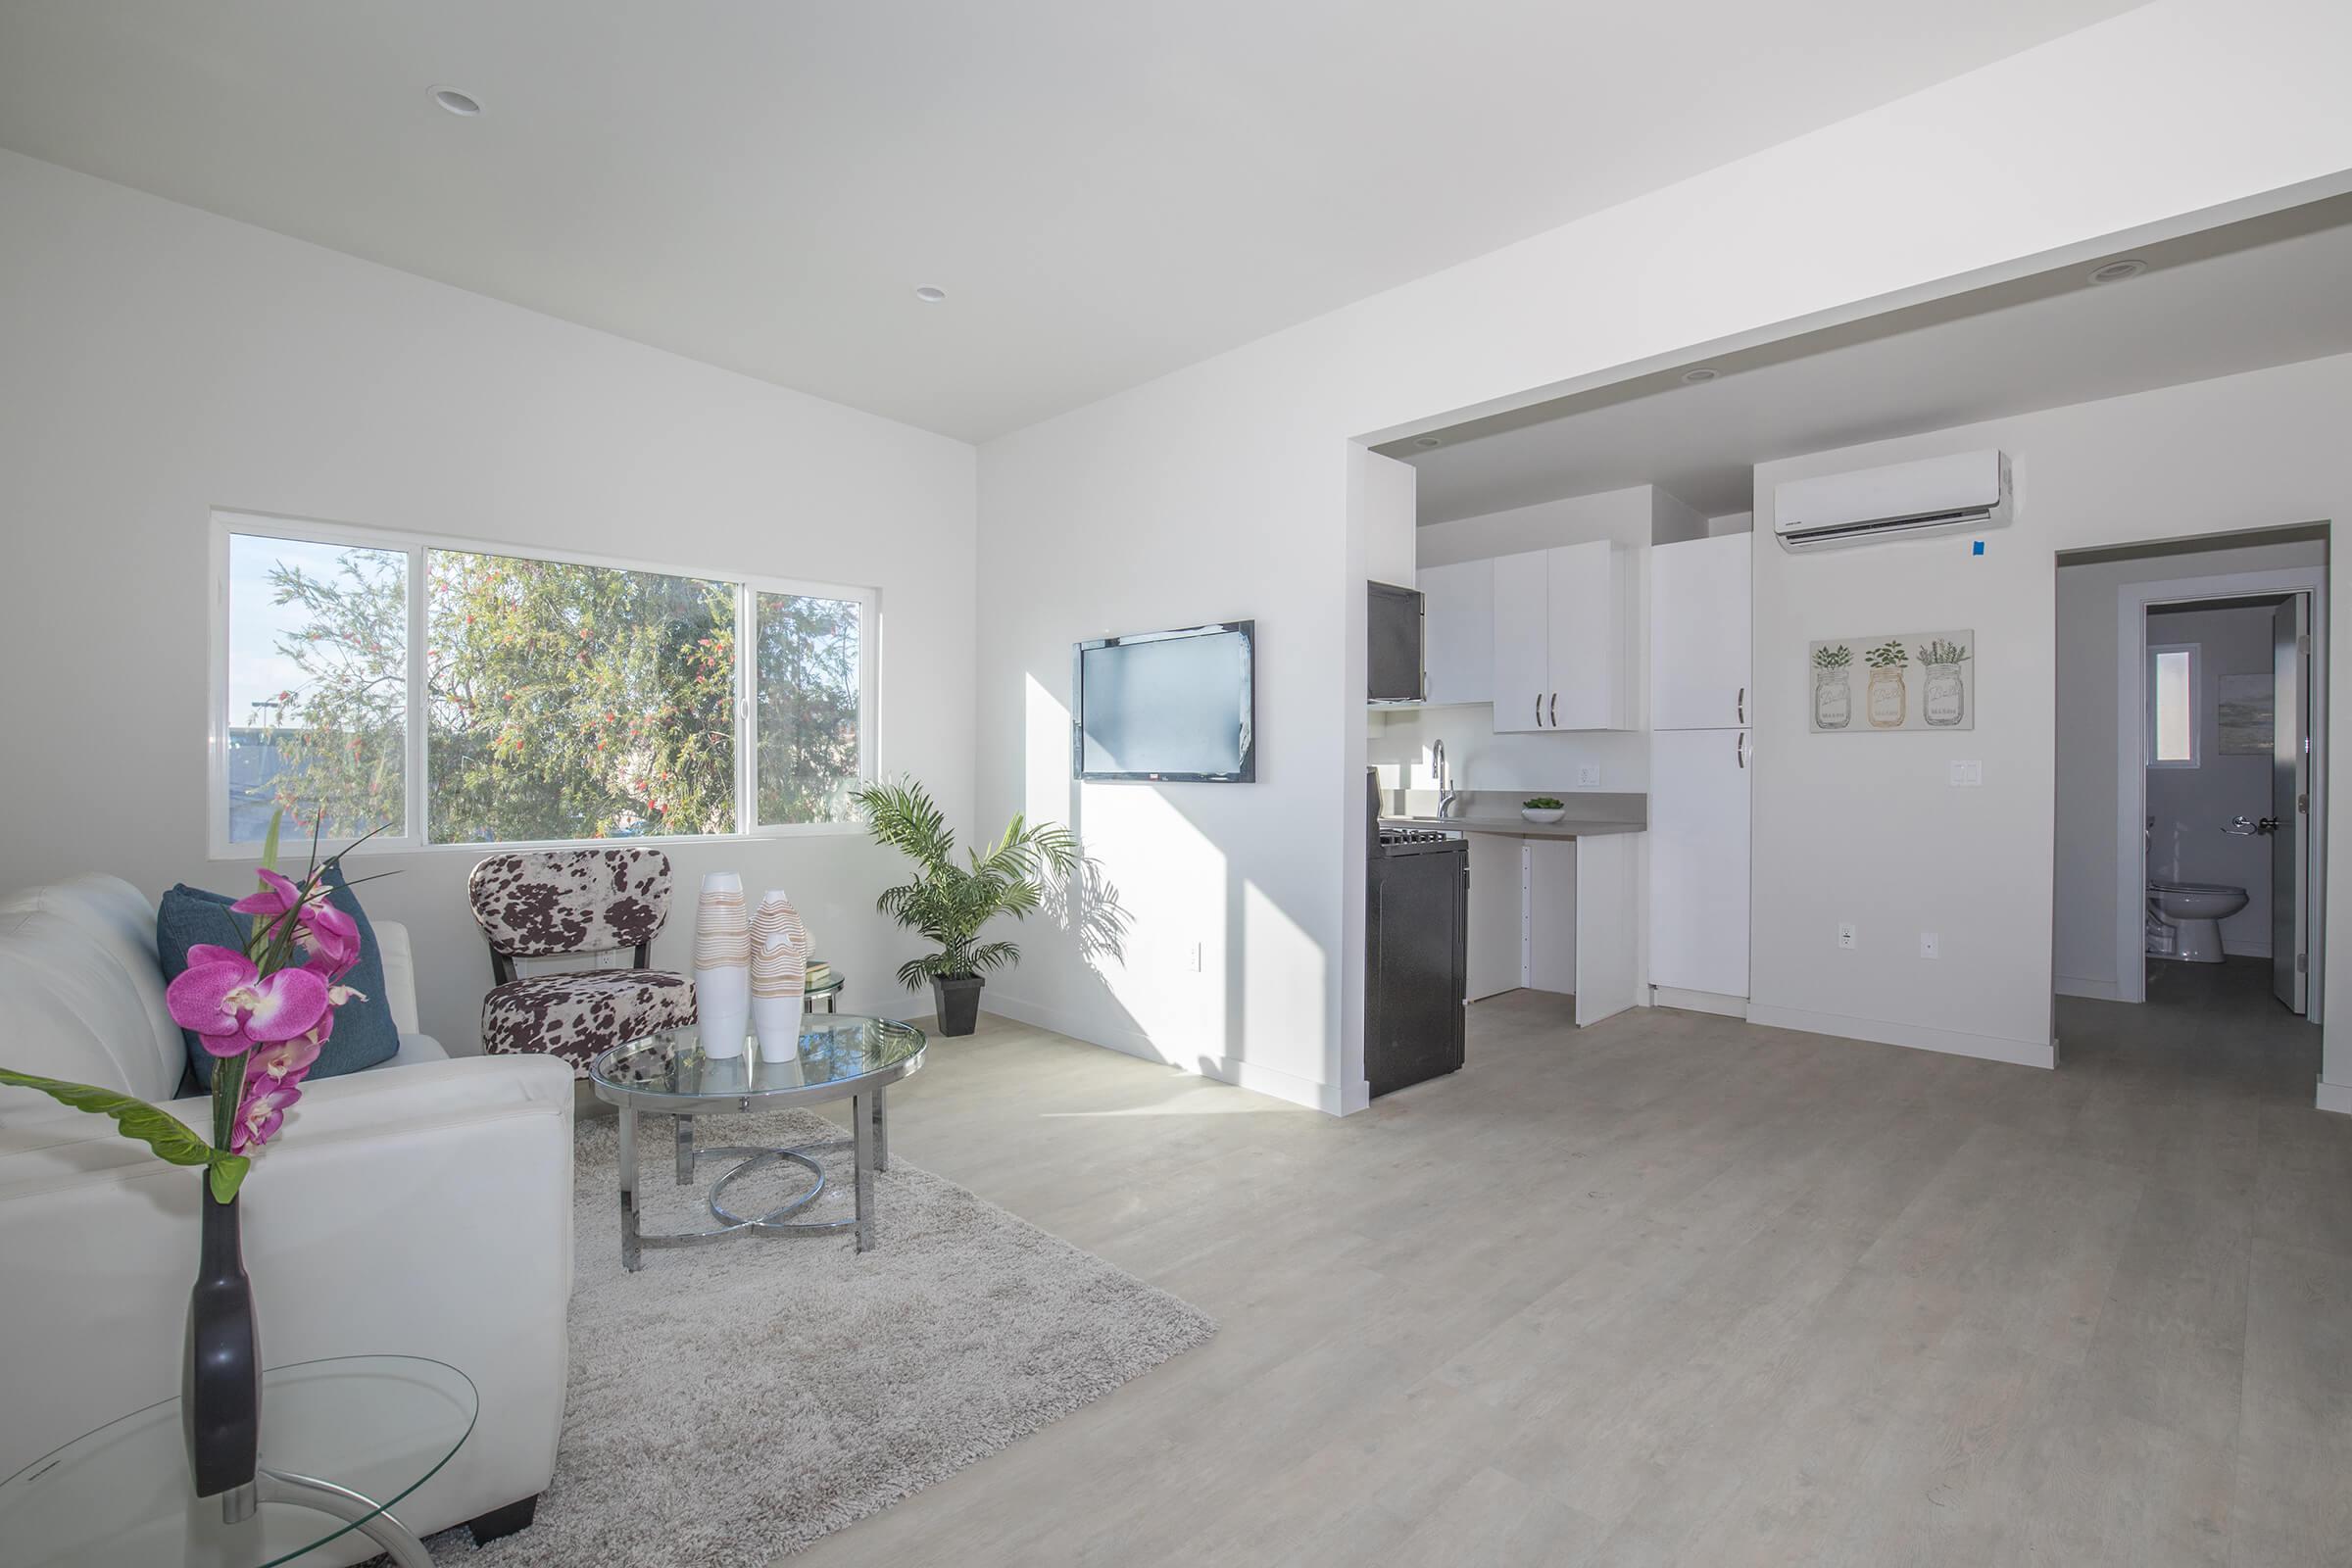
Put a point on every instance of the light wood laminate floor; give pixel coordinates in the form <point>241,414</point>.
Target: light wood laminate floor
<point>1679,1291</point>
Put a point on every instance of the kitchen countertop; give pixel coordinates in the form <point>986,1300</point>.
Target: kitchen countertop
<point>1568,827</point>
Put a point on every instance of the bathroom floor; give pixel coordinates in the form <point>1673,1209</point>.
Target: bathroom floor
<point>2201,1021</point>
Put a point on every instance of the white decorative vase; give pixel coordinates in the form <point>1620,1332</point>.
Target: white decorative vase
<point>780,949</point>
<point>723,958</point>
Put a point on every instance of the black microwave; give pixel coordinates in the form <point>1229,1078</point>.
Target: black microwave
<point>1393,649</point>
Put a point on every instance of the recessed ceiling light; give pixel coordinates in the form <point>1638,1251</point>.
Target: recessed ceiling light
<point>455,102</point>
<point>1700,376</point>
<point>2117,272</point>
<point>929,295</point>
<point>1427,441</point>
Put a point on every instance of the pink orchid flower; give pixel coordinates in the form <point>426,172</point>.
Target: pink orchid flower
<point>228,1002</point>
<point>266,1101</point>
<point>288,1061</point>
<point>278,894</point>
<point>329,939</point>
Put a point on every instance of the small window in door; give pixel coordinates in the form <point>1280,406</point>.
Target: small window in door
<point>2173,692</point>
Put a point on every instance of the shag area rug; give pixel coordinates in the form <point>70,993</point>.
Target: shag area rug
<point>731,1403</point>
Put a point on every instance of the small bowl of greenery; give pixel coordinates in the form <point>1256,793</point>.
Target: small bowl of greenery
<point>1542,808</point>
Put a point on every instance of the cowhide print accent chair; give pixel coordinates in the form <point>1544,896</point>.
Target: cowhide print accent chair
<point>560,902</point>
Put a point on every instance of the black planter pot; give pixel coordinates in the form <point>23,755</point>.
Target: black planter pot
<point>220,1386</point>
<point>957,1003</point>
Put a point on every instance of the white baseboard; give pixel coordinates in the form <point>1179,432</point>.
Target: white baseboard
<point>1699,1001</point>
<point>1241,1074</point>
<point>2074,985</point>
<point>1918,1036</point>
<point>1280,1085</point>
<point>2335,1097</point>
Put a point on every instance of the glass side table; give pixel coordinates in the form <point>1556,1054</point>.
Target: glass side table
<point>342,1441</point>
<point>841,1057</point>
<point>827,993</point>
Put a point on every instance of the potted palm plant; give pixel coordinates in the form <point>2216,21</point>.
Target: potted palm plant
<point>948,903</point>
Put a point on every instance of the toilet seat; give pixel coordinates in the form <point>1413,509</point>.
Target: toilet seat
<point>2192,887</point>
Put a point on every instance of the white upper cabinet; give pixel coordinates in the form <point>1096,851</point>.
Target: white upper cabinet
<point>1458,631</point>
<point>1699,620</point>
<point>1522,668</point>
<point>1561,621</point>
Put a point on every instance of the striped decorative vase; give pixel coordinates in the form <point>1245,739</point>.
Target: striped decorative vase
<point>722,960</point>
<point>780,949</point>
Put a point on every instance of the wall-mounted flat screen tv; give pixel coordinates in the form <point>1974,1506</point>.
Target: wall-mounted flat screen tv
<point>1171,706</point>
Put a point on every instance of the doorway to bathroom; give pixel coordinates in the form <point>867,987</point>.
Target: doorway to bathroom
<point>2191,765</point>
<point>2225,746</point>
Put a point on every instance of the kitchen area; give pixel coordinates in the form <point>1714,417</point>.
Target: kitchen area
<point>1557,732</point>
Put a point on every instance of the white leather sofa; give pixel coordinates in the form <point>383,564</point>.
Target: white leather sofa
<point>422,1207</point>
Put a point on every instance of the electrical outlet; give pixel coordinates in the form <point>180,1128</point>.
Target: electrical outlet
<point>1927,944</point>
<point>1845,936</point>
<point>1192,958</point>
<point>1587,775</point>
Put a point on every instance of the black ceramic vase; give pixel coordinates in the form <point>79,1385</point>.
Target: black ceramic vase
<point>220,1386</point>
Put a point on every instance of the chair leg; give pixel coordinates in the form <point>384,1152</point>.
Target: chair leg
<point>502,1522</point>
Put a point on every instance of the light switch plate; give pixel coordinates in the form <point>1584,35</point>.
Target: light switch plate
<point>1968,775</point>
<point>1845,936</point>
<point>1928,944</point>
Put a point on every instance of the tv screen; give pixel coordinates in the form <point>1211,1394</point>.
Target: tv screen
<point>1173,706</point>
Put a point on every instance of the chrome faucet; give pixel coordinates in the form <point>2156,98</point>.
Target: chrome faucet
<point>1447,794</point>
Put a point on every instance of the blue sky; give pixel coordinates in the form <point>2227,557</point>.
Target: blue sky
<point>256,668</point>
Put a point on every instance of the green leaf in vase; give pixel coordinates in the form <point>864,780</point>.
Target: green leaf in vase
<point>171,1138</point>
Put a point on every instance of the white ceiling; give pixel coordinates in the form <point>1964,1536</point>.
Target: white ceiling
<point>1107,189</point>
<point>2275,304</point>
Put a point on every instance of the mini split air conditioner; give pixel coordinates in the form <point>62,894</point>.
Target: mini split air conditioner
<point>1903,501</point>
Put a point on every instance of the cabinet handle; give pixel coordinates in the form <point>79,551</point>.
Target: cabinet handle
<point>1555,709</point>
<point>1742,699</point>
<point>1739,749</point>
<point>1538,709</point>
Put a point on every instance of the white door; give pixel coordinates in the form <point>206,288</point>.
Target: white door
<point>1699,859</point>
<point>1458,631</point>
<point>1586,636</point>
<point>1699,615</point>
<point>1522,641</point>
<point>2290,797</point>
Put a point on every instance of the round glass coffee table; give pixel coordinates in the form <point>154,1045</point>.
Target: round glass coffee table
<point>841,1056</point>
<point>342,1441</point>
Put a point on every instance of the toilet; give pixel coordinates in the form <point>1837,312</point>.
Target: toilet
<point>2185,919</point>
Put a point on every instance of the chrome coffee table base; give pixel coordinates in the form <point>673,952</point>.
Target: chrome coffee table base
<point>868,1141</point>
<point>363,1514</point>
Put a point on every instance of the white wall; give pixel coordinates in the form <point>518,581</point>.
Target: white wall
<point>1226,483</point>
<point>2085,914</point>
<point>1865,828</point>
<point>156,362</point>
<point>1626,516</point>
<point>2190,805</point>
<point>1672,520</point>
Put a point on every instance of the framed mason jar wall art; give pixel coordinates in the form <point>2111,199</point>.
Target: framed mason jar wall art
<point>1888,681</point>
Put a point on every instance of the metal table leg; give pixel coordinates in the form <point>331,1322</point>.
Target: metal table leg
<point>631,1257</point>
<point>685,1151</point>
<point>371,1520</point>
<point>861,1120</point>
<point>882,1127</point>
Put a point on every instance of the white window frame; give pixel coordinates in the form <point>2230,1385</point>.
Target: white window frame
<point>2196,693</point>
<point>747,588</point>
